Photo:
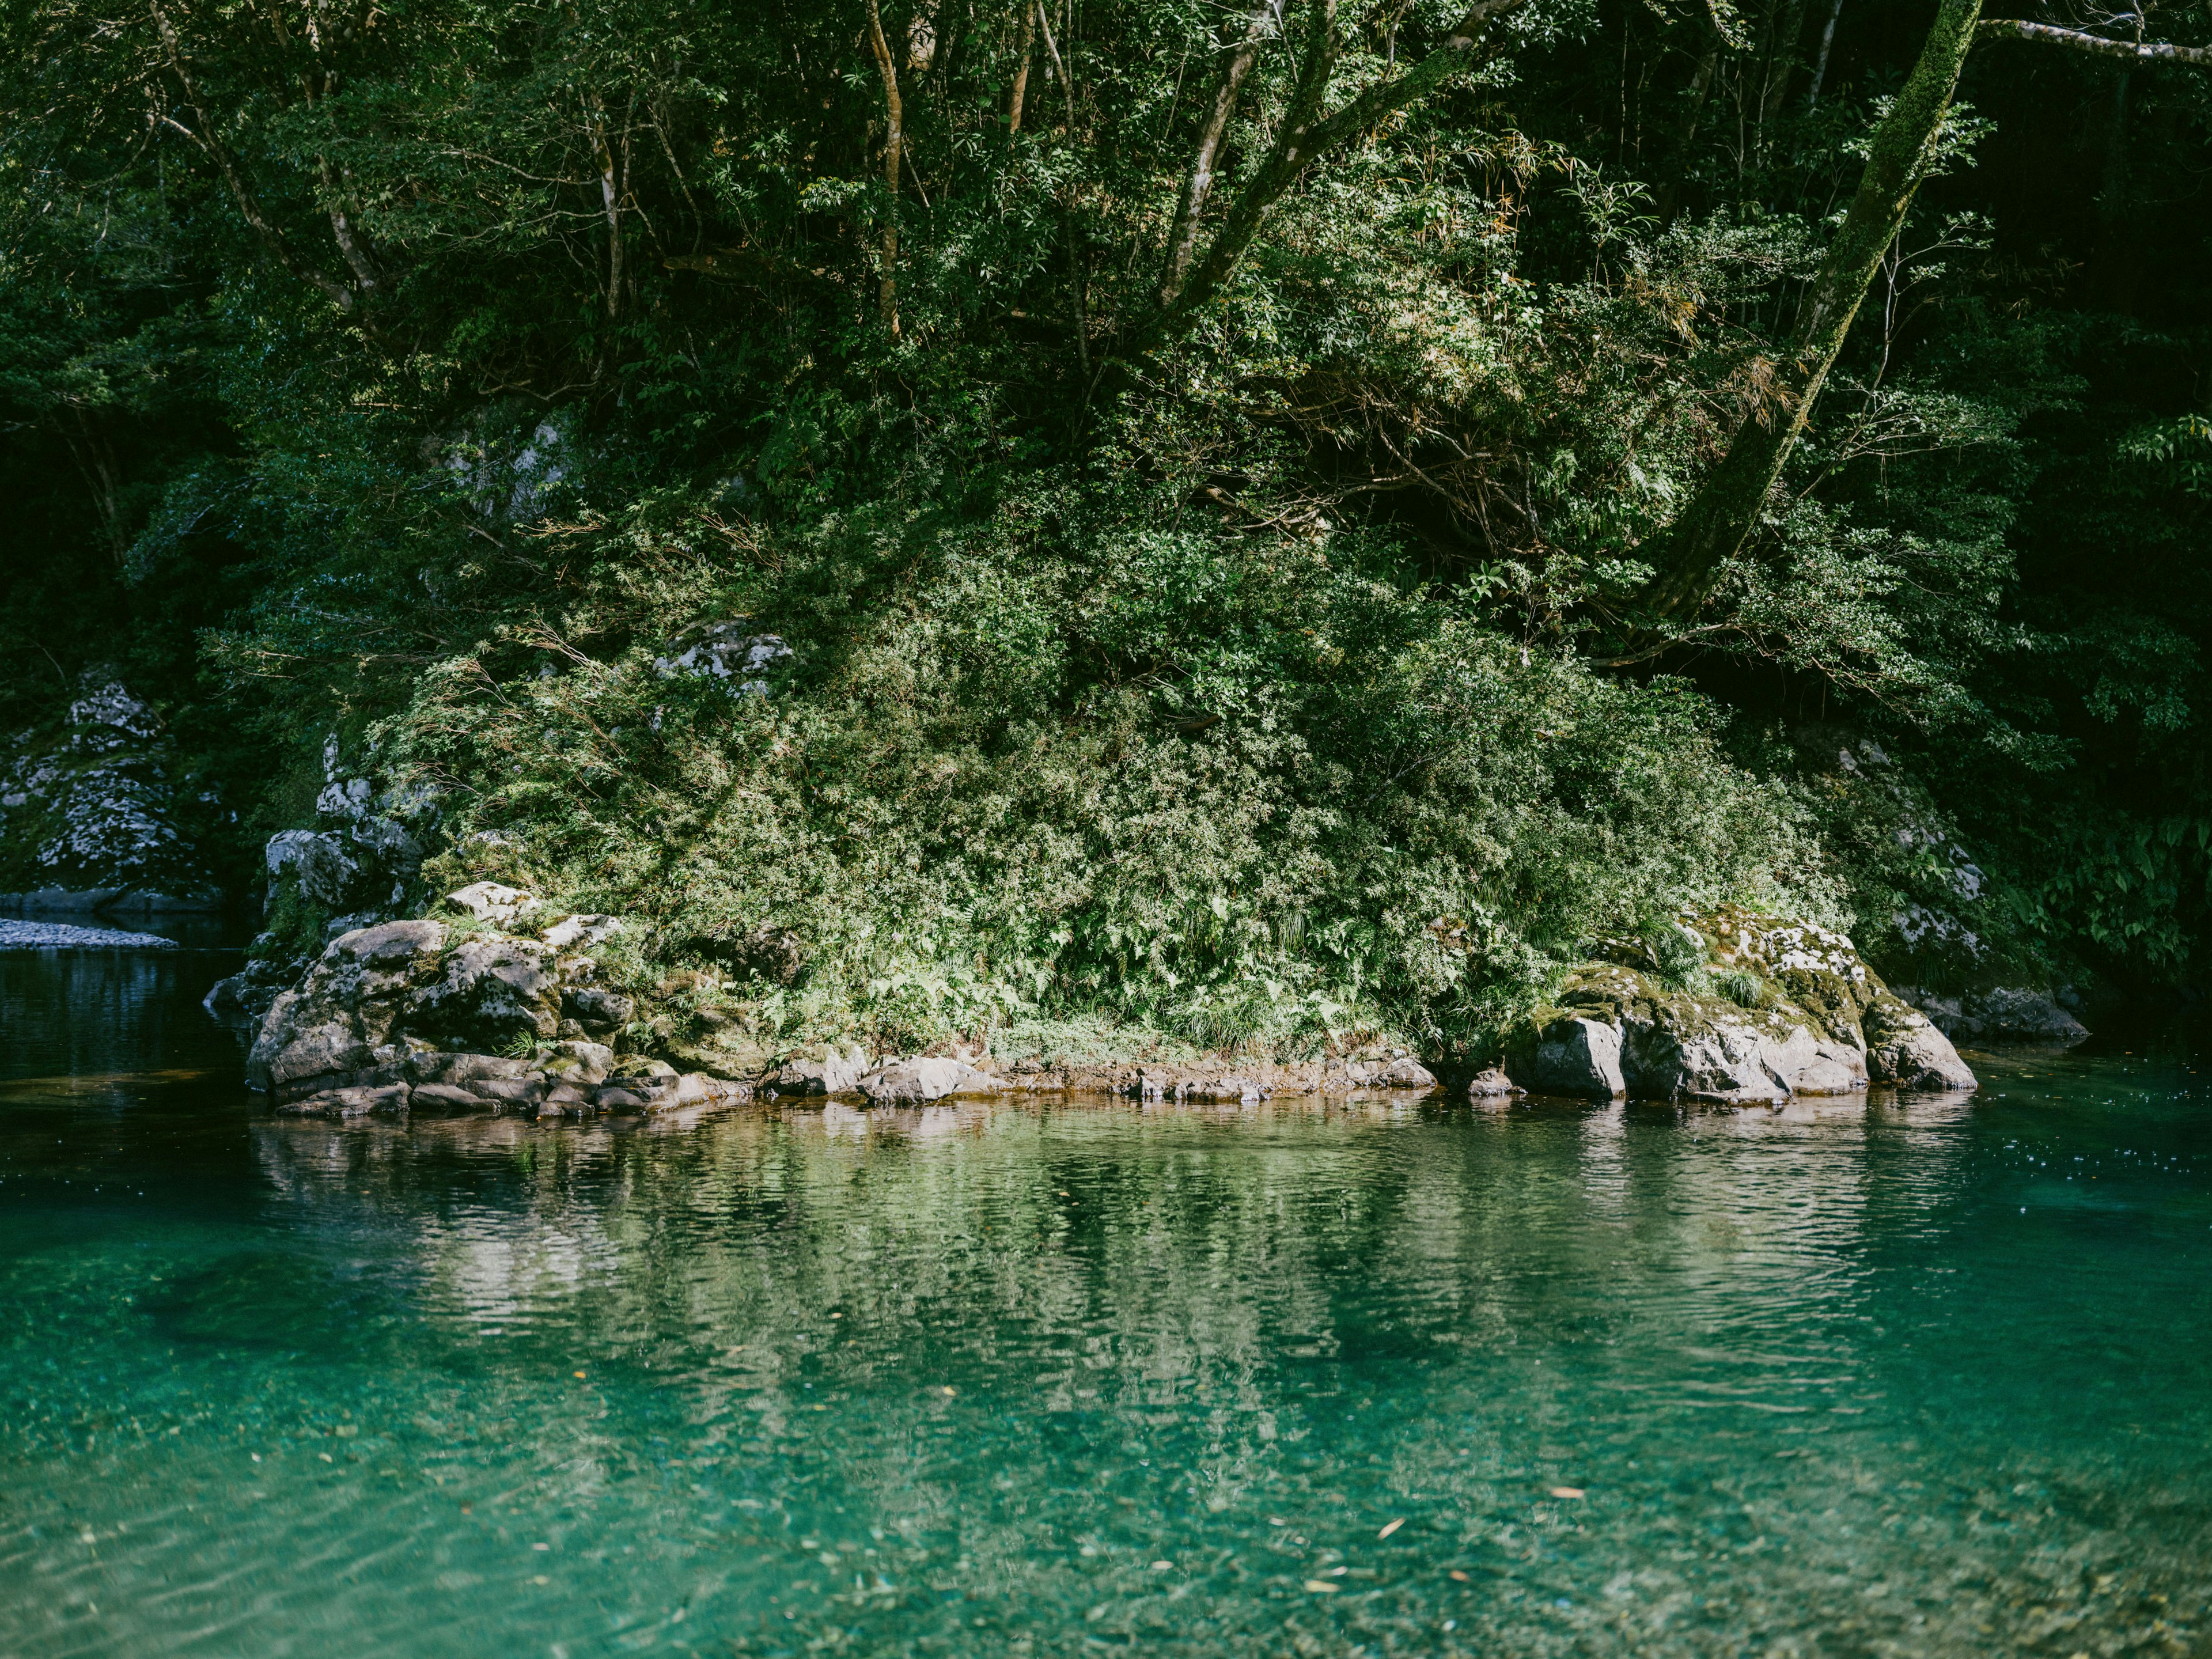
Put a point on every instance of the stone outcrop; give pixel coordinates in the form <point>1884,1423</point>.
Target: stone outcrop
<point>398,1015</point>
<point>96,814</point>
<point>358,866</point>
<point>2007,1014</point>
<point>428,1016</point>
<point>1760,1010</point>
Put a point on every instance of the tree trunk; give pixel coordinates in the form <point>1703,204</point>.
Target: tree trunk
<point>1183,240</point>
<point>1781,60</point>
<point>894,137</point>
<point>1821,64</point>
<point>1079,307</point>
<point>1025,42</point>
<point>1726,506</point>
<point>2111,264</point>
<point>611,198</point>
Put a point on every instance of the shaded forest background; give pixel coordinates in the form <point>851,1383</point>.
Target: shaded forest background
<point>1250,667</point>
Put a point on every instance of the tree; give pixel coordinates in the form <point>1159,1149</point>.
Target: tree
<point>1727,506</point>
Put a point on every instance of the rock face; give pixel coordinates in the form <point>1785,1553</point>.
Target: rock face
<point>397,1015</point>
<point>1776,1009</point>
<point>2004,1015</point>
<point>94,817</point>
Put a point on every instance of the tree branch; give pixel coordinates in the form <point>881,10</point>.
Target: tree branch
<point>1306,137</point>
<point>2135,51</point>
<point>249,205</point>
<point>1198,186</point>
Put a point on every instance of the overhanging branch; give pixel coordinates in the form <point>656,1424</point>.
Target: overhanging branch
<point>2134,52</point>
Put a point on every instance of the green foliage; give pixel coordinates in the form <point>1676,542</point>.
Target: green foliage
<point>1269,683</point>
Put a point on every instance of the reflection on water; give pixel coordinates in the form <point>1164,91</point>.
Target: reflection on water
<point>1919,1377</point>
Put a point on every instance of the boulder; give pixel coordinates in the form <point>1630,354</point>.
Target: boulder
<point>727,651</point>
<point>490,902</point>
<point>443,1098</point>
<point>1491,1084</point>
<point>91,815</point>
<point>584,1064</point>
<point>460,1070</point>
<point>2006,1014</point>
<point>833,1074</point>
<point>1904,1047</point>
<point>598,1009</point>
<point>490,992</point>
<point>1570,1054</point>
<point>1403,1072</point>
<point>345,1008</point>
<point>907,1082</point>
<point>1777,1009</point>
<point>357,1102</point>
<point>571,931</point>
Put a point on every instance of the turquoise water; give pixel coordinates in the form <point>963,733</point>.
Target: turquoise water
<point>1918,1378</point>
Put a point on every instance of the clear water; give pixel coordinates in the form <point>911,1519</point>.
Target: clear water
<point>1889,1379</point>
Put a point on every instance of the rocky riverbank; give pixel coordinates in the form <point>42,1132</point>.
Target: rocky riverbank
<point>504,1008</point>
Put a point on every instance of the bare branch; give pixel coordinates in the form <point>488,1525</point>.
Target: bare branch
<point>2135,51</point>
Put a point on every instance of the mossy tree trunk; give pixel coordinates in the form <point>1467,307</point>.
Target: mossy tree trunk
<point>1727,505</point>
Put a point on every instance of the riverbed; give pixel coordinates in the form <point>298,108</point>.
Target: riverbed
<point>1871,1376</point>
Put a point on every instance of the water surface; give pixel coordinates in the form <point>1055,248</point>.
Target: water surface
<point>1865,1378</point>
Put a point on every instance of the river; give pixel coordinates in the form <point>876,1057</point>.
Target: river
<point>1887,1377</point>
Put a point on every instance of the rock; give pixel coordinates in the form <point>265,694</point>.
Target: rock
<point>511,1090</point>
<point>618,1100</point>
<point>570,1097</point>
<point>572,931</point>
<point>725,650</point>
<point>316,862</point>
<point>91,815</point>
<point>1403,1072</point>
<point>443,1098</point>
<point>1493,1082</point>
<point>697,1089</point>
<point>350,1102</point>
<point>587,1064</point>
<point>2007,1014</point>
<point>905,1082</point>
<point>492,992</point>
<point>458,1070</point>
<point>1904,1047</point>
<point>834,1074</point>
<point>597,1009</point>
<point>488,901</point>
<point>1569,1055</point>
<point>346,1007</point>
<point>1802,1015</point>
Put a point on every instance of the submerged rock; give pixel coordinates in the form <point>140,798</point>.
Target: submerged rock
<point>1776,1009</point>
